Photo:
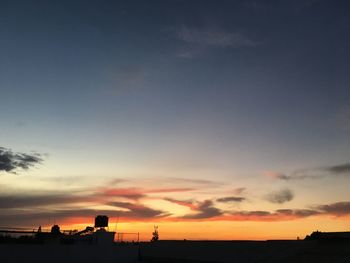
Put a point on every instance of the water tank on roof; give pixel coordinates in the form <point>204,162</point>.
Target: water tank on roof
<point>55,230</point>
<point>101,221</point>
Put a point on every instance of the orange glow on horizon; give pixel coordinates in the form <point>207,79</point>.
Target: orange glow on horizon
<point>215,229</point>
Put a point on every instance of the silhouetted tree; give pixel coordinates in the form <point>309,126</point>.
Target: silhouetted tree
<point>155,235</point>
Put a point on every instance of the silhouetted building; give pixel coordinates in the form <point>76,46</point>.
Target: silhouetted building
<point>318,235</point>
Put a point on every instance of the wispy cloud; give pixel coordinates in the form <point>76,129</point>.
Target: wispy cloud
<point>297,175</point>
<point>313,173</point>
<point>276,175</point>
<point>192,182</point>
<point>205,209</point>
<point>298,213</point>
<point>280,197</point>
<point>248,215</point>
<point>337,209</point>
<point>26,209</point>
<point>11,161</point>
<point>334,209</point>
<point>32,201</point>
<point>278,215</point>
<point>115,181</point>
<point>187,203</point>
<point>230,199</point>
<point>170,190</point>
<point>138,193</point>
<point>79,215</point>
<point>129,193</point>
<point>339,169</point>
<point>136,210</point>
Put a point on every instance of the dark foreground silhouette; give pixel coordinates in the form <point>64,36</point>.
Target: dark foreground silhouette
<point>182,252</point>
<point>96,244</point>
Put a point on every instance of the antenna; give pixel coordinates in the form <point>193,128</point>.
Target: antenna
<point>116,224</point>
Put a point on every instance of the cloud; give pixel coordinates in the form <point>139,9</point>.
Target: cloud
<point>230,199</point>
<point>117,181</point>
<point>314,173</point>
<point>214,37</point>
<point>278,215</point>
<point>276,175</point>
<point>248,215</point>
<point>297,175</point>
<point>280,197</point>
<point>32,210</point>
<point>77,216</point>
<point>11,161</point>
<point>337,209</point>
<point>29,211</point>
<point>339,169</point>
<point>31,201</point>
<point>170,190</point>
<point>138,210</point>
<point>205,210</point>
<point>189,181</point>
<point>138,193</point>
<point>37,202</point>
<point>42,217</point>
<point>187,203</point>
<point>129,193</point>
<point>299,213</point>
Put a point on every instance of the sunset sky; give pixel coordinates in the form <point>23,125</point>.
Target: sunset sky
<point>211,119</point>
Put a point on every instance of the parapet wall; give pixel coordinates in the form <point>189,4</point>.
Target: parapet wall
<point>244,251</point>
<point>13,253</point>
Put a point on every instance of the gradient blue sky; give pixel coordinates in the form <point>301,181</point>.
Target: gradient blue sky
<point>226,91</point>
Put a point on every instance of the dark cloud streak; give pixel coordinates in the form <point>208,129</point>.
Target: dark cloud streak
<point>205,209</point>
<point>280,197</point>
<point>231,199</point>
<point>31,201</point>
<point>339,169</point>
<point>137,210</point>
<point>327,171</point>
<point>337,209</point>
<point>11,161</point>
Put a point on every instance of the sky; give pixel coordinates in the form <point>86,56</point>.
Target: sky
<point>211,119</point>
